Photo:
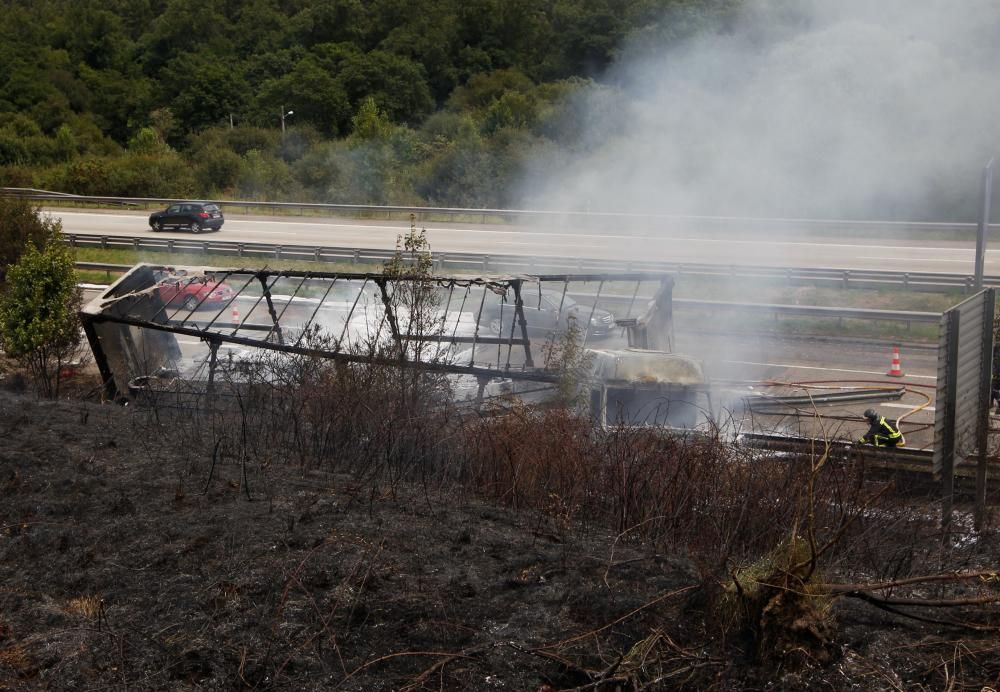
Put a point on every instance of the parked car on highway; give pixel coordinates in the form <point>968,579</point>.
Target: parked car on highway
<point>192,216</point>
<point>548,312</point>
<point>190,293</point>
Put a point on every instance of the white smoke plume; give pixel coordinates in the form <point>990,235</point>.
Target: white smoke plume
<point>822,108</point>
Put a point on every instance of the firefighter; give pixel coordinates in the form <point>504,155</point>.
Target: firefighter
<point>880,432</point>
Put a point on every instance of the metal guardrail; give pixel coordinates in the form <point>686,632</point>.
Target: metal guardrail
<point>906,316</point>
<point>905,459</point>
<point>448,262</point>
<point>582,218</point>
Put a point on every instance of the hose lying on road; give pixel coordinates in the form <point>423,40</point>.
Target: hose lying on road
<point>793,405</point>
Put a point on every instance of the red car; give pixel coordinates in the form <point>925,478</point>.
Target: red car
<point>191,292</point>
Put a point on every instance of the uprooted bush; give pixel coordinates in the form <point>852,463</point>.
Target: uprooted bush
<point>776,605</point>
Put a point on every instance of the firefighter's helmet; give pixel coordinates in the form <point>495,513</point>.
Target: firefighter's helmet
<point>871,414</point>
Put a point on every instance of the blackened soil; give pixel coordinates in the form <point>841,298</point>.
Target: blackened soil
<point>129,564</point>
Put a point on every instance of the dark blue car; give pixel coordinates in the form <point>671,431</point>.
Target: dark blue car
<point>189,216</point>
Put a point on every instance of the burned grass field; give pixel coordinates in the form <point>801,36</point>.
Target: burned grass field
<point>349,531</point>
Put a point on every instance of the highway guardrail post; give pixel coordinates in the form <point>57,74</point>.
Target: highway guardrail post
<point>104,242</point>
<point>239,250</point>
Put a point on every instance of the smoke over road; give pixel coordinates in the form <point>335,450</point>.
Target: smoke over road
<point>846,109</point>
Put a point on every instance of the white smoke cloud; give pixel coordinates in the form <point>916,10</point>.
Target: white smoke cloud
<point>822,108</point>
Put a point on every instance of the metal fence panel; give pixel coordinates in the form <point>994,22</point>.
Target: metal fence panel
<point>964,370</point>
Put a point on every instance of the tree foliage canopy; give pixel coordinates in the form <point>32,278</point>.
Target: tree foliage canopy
<point>23,227</point>
<point>83,81</point>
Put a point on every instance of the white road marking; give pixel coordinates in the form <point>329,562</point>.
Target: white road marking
<point>247,230</point>
<point>926,259</point>
<point>103,216</point>
<point>813,367</point>
<point>906,406</point>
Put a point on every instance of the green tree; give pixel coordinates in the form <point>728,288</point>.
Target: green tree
<point>483,89</point>
<point>39,324</point>
<point>429,35</point>
<point>22,225</point>
<point>185,26</point>
<point>261,27</point>
<point>66,142</point>
<point>397,84</point>
<point>370,122</point>
<point>119,99</point>
<point>263,177</point>
<point>512,110</point>
<point>92,34</point>
<point>150,175</point>
<point>414,303</point>
<point>147,141</point>
<point>84,176</point>
<point>330,21</point>
<point>218,169</point>
<point>204,90</point>
<point>312,92</point>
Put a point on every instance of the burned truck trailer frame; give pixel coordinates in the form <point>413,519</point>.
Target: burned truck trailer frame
<point>489,327</point>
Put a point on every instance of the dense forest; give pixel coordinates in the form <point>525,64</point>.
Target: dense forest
<point>437,102</point>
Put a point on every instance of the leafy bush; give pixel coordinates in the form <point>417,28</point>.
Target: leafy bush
<point>263,177</point>
<point>39,326</point>
<point>22,226</point>
<point>151,175</point>
<point>218,170</point>
<point>85,176</point>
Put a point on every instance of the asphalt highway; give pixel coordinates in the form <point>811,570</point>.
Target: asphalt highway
<point>757,248</point>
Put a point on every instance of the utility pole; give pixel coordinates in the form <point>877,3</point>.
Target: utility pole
<point>283,116</point>
<point>984,223</point>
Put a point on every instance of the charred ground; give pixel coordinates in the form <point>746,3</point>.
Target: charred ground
<point>133,558</point>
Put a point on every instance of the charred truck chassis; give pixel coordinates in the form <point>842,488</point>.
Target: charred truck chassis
<point>133,327</point>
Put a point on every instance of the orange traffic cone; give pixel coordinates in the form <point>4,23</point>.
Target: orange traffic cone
<point>896,370</point>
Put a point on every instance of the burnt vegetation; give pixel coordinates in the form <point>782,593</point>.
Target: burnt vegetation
<point>341,526</point>
<point>305,523</point>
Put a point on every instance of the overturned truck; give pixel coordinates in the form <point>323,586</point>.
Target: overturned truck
<point>190,324</point>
